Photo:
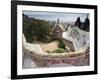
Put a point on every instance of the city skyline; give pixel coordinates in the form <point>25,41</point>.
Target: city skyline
<point>53,16</point>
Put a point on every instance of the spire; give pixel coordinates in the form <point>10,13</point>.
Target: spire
<point>87,15</point>
<point>58,21</point>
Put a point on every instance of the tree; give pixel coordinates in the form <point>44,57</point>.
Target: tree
<point>35,27</point>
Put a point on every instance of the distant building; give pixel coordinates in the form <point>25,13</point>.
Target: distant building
<point>58,29</point>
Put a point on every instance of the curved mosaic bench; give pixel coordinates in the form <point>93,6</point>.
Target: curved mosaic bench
<point>44,59</point>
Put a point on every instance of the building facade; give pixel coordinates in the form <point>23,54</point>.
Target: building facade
<point>58,30</point>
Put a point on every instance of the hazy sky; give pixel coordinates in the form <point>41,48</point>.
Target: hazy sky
<point>53,16</point>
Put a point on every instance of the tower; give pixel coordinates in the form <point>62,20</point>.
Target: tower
<point>86,23</point>
<point>58,21</point>
<point>58,30</point>
<point>87,15</point>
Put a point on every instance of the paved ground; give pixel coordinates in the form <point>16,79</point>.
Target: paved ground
<point>49,46</point>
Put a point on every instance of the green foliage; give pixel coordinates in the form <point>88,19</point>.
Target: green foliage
<point>48,51</point>
<point>59,50</point>
<point>35,28</point>
<point>27,30</point>
<point>61,44</point>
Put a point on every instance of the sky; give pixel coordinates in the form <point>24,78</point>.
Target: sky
<point>53,16</point>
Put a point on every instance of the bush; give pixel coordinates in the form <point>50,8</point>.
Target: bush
<point>59,50</point>
<point>48,51</point>
<point>61,44</point>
